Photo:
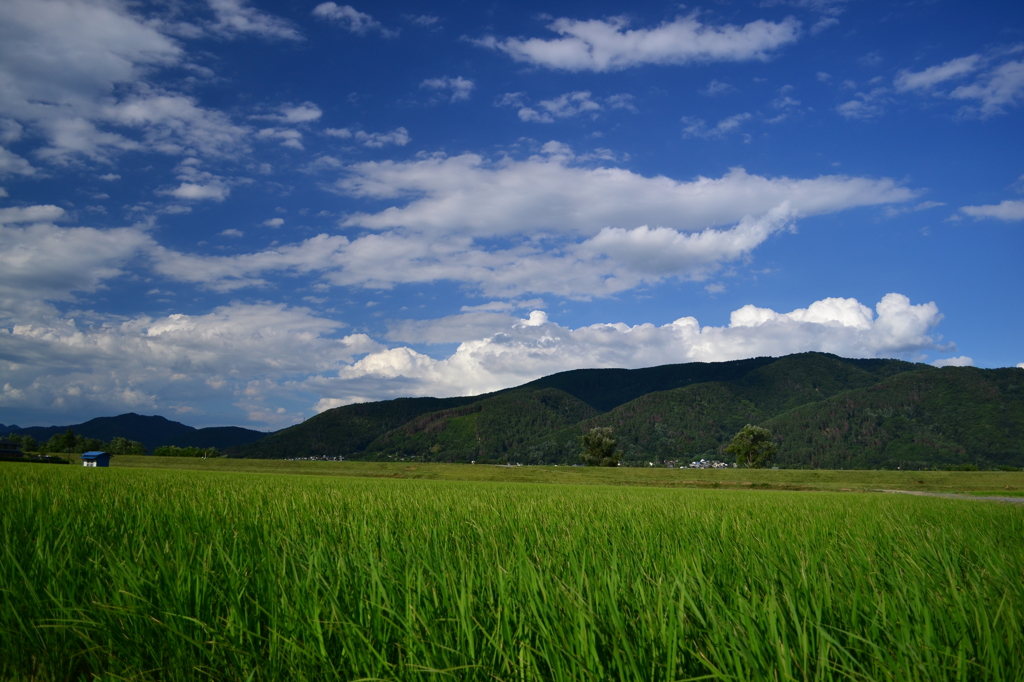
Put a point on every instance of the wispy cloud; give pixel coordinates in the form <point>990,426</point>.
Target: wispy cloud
<point>609,45</point>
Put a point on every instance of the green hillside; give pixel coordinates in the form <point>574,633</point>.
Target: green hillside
<point>952,415</point>
<point>487,430</point>
<point>698,420</point>
<point>343,431</point>
<point>605,389</point>
<point>825,411</point>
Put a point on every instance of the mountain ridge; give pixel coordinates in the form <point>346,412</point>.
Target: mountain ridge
<point>152,431</point>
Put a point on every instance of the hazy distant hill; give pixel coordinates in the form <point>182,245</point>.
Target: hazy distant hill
<point>152,432</point>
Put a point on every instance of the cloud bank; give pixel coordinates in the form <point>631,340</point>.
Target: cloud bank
<point>263,355</point>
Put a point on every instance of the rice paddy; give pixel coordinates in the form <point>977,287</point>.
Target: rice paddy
<point>180,575</point>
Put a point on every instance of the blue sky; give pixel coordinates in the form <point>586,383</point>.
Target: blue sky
<point>245,213</point>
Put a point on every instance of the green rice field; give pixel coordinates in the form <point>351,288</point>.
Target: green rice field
<point>174,574</point>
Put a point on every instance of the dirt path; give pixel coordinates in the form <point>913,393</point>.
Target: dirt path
<point>954,496</point>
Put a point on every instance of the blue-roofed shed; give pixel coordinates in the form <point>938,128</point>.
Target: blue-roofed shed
<point>95,458</point>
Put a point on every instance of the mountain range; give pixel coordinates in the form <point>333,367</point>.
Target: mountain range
<point>151,431</point>
<point>825,411</point>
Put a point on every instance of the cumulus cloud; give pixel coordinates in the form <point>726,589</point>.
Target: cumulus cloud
<point>42,262</point>
<point>608,45</point>
<point>1006,210</point>
<point>12,164</point>
<point>239,350</point>
<point>458,88</point>
<point>198,185</point>
<point>570,230</point>
<point>76,73</point>
<point>535,346</point>
<point>351,19</point>
<point>234,18</point>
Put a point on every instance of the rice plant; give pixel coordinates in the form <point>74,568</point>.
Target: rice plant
<point>181,575</point>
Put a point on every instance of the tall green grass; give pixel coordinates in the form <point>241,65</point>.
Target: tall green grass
<point>173,575</point>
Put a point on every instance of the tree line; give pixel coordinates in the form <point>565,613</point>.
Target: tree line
<point>71,443</point>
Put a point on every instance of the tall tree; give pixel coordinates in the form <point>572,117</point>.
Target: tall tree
<point>600,448</point>
<point>753,447</point>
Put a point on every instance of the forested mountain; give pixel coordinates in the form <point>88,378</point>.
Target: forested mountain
<point>953,415</point>
<point>151,431</point>
<point>344,431</point>
<point>825,411</point>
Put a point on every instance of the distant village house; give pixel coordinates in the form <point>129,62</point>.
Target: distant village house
<point>95,458</point>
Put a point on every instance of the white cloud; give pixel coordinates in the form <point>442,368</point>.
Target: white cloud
<point>12,164</point>
<point>564,106</point>
<point>294,113</point>
<point>43,262</point>
<point>962,361</point>
<point>451,329</point>
<point>997,89</point>
<point>1020,365</point>
<point>570,104</point>
<point>717,87</point>
<point>923,206</point>
<point>234,18</point>
<point>570,230</point>
<point>534,347</point>
<point>423,19</point>
<point>622,101</point>
<point>696,127</point>
<point>351,19</point>
<point>245,350</point>
<point>10,130</point>
<point>30,214</point>
<point>1006,210</point>
<point>459,87</point>
<point>547,192</point>
<point>198,185</point>
<point>822,24</point>
<point>74,70</point>
<point>399,137</point>
<point>231,232</point>
<point>288,136</point>
<point>273,222</point>
<point>609,45</point>
<point>933,75</point>
<point>866,105</point>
